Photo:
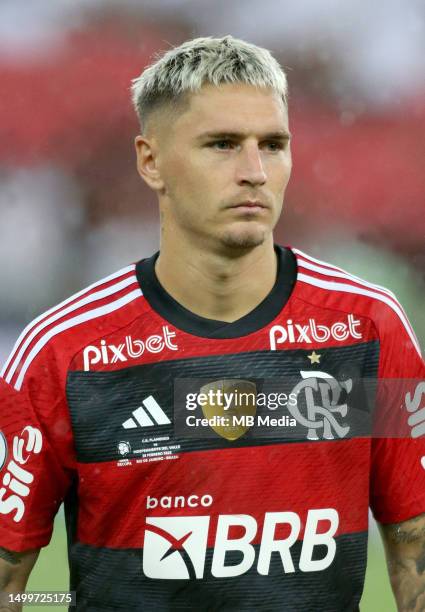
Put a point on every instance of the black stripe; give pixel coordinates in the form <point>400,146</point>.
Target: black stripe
<point>111,579</point>
<point>101,401</point>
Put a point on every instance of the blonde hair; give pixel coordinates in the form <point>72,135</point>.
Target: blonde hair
<point>186,68</point>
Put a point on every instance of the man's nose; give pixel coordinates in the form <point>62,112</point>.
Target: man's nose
<point>250,169</point>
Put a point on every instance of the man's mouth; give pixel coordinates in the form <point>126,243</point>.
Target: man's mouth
<point>249,205</point>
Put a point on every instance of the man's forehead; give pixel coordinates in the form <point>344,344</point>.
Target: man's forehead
<point>235,108</point>
<point>231,108</point>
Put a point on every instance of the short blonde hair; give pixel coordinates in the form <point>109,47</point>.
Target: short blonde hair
<point>186,68</point>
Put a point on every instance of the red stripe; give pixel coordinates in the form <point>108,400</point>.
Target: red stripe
<point>294,477</point>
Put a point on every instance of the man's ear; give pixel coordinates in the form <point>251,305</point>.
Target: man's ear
<point>147,162</point>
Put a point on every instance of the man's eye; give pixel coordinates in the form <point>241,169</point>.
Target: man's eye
<point>222,145</point>
<point>274,145</point>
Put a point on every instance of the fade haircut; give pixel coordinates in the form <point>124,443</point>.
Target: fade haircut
<point>185,69</point>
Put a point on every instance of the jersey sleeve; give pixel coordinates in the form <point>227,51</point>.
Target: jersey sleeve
<point>397,482</point>
<point>36,455</point>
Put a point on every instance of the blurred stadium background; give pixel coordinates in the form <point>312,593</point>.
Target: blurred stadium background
<point>73,208</point>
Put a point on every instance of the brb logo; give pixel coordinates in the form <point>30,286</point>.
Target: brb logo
<point>320,417</point>
<point>17,479</point>
<point>296,333</point>
<point>130,349</point>
<point>175,547</point>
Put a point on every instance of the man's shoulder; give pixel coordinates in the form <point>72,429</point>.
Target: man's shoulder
<point>327,285</point>
<point>334,285</point>
<point>92,312</point>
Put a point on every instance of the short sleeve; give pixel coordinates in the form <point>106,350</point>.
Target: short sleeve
<point>397,479</point>
<point>36,458</point>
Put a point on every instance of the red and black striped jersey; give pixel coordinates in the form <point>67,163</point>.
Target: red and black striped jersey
<point>207,465</point>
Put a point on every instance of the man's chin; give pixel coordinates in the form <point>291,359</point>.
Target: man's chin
<point>242,240</point>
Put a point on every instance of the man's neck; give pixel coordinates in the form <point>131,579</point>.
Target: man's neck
<point>217,286</point>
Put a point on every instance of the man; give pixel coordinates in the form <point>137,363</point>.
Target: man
<point>167,508</point>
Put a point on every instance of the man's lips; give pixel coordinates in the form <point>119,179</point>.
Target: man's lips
<point>254,204</point>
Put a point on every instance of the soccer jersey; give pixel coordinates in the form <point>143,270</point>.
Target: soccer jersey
<point>207,465</point>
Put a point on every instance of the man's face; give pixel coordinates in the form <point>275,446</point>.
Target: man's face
<point>224,164</point>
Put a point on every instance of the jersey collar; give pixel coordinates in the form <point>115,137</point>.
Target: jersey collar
<point>182,318</point>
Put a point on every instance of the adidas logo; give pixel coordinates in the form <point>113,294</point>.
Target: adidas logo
<point>153,415</point>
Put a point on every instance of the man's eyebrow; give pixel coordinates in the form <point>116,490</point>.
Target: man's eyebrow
<point>277,135</point>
